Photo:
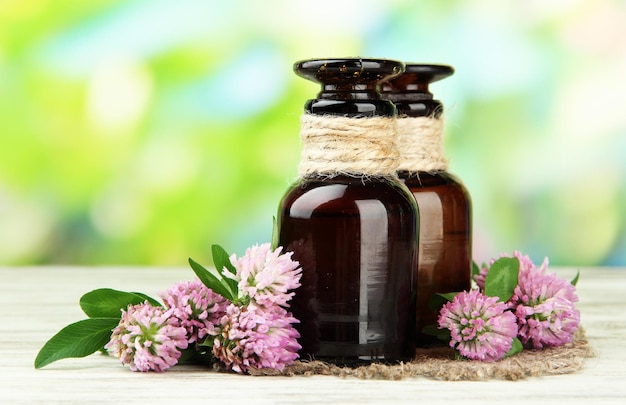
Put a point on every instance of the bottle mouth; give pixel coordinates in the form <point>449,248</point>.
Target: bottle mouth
<point>410,92</point>
<point>415,80</point>
<point>428,73</point>
<point>349,86</point>
<point>348,71</point>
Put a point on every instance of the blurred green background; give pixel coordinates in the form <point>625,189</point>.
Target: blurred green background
<point>143,131</point>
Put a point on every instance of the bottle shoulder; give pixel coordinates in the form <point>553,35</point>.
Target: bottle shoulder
<point>344,192</point>
<point>439,182</point>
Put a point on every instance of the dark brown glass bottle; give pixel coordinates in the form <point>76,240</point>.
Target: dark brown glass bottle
<point>353,234</point>
<point>445,235</point>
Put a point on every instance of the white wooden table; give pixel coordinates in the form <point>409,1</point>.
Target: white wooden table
<point>38,301</point>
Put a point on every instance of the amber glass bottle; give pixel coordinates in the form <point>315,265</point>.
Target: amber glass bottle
<point>445,244</point>
<point>350,221</point>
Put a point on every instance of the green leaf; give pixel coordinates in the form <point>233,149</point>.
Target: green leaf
<point>108,303</point>
<point>439,299</point>
<point>151,300</point>
<point>79,339</point>
<point>221,260</point>
<point>213,281</point>
<point>275,235</point>
<point>187,356</point>
<point>502,278</point>
<point>515,348</point>
<point>475,270</point>
<point>575,280</point>
<point>433,330</point>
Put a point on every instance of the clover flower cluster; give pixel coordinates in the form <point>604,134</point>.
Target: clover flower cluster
<point>267,277</point>
<point>260,333</point>
<point>197,308</point>
<point>147,338</point>
<point>254,331</point>
<point>540,313</point>
<point>544,306</point>
<point>480,327</point>
<point>255,337</point>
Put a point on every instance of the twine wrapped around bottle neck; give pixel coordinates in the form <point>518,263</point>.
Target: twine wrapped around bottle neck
<point>420,141</point>
<point>357,147</point>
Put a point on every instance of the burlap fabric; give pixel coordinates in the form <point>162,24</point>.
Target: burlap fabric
<point>440,364</point>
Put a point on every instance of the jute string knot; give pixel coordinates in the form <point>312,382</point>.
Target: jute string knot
<point>420,140</point>
<point>358,147</point>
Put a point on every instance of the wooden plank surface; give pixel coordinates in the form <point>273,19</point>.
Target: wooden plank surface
<point>39,301</point>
